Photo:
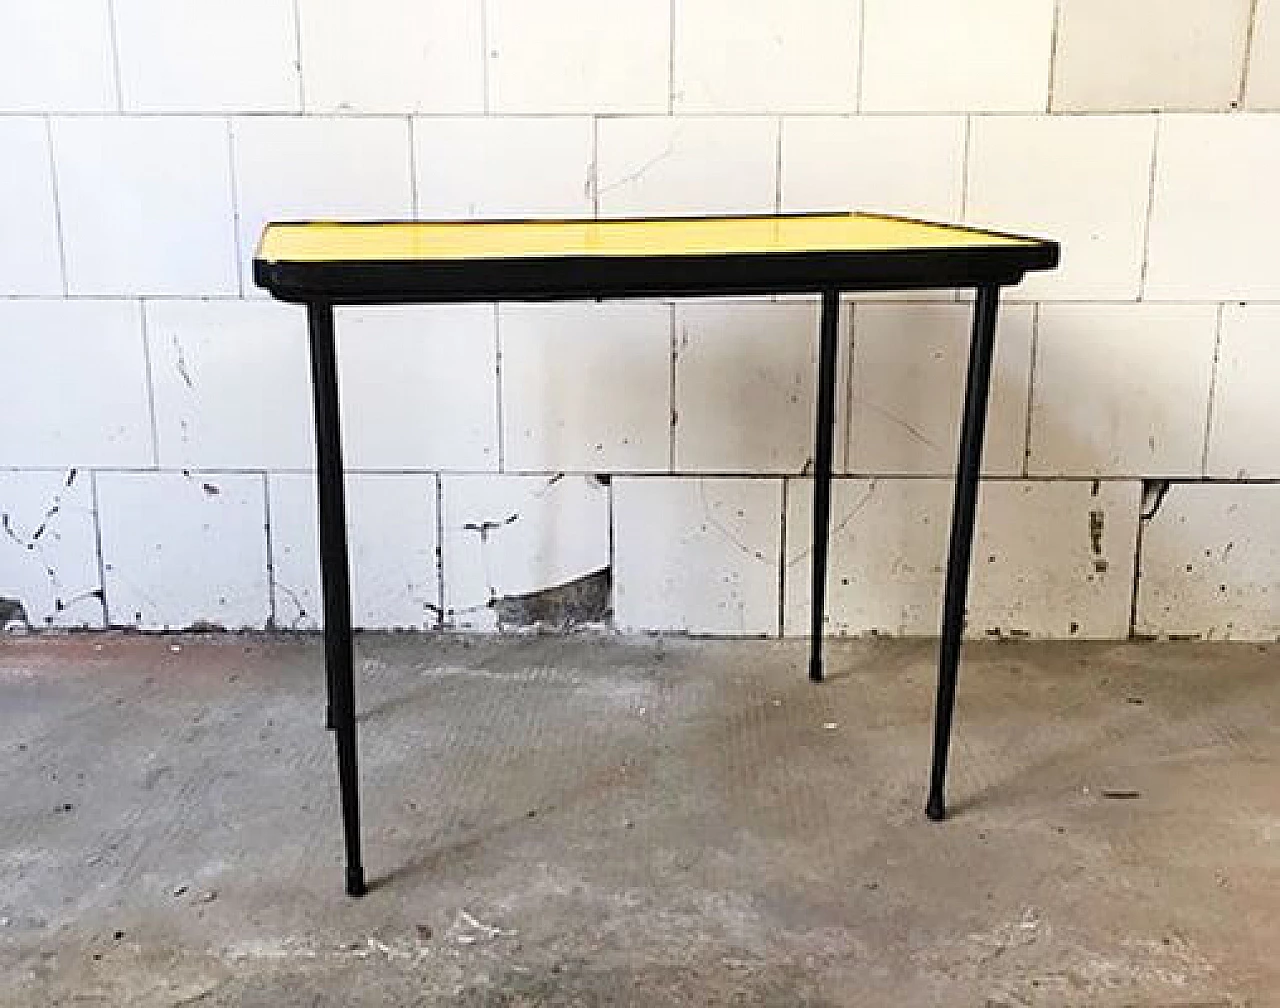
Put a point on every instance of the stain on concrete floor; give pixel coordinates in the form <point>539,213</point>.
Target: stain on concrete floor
<point>581,821</point>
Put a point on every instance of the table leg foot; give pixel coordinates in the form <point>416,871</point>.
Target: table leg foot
<point>815,668</point>
<point>355,882</point>
<point>936,810</point>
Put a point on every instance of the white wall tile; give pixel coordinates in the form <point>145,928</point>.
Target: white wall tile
<point>1049,559</point>
<point>1083,180</point>
<point>762,56</point>
<point>745,376</point>
<point>29,256</point>
<point>146,205</point>
<point>578,56</point>
<point>707,165</point>
<point>1263,83</point>
<point>207,55</point>
<point>392,56</point>
<point>56,57</point>
<point>1216,208</point>
<point>1147,54</point>
<point>504,166</point>
<point>586,386</point>
<point>697,555</point>
<point>514,535</point>
<point>1121,389</point>
<point>1211,564</point>
<point>391,544</point>
<point>917,169</point>
<point>73,391</point>
<point>327,168</point>
<point>48,551</point>
<point>1244,432</point>
<point>909,368</point>
<point>231,384</point>
<point>942,56</point>
<point>184,549</point>
<point>419,387</point>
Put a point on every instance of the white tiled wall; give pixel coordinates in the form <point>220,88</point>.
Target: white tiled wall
<point>145,143</point>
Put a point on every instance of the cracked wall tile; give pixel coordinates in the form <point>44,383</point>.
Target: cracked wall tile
<point>419,386</point>
<point>207,56</point>
<point>705,165</point>
<point>392,56</point>
<point>391,542</point>
<point>184,550</point>
<point>697,555</point>
<point>943,56</point>
<point>1211,564</point>
<point>918,170</point>
<point>509,536</point>
<point>1083,180</point>
<point>162,231</point>
<point>1245,418</point>
<point>300,168</point>
<point>578,56</point>
<point>1121,389</point>
<point>465,167</point>
<point>73,389</point>
<point>231,384</point>
<point>586,386</point>
<point>1215,190</point>
<point>1030,575</point>
<point>762,56</point>
<point>48,552</point>
<point>909,366</point>
<point>745,375</point>
<point>56,57</point>
<point>29,257</point>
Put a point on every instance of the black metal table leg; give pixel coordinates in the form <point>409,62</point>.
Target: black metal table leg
<point>968,469</point>
<point>828,350</point>
<point>339,671</point>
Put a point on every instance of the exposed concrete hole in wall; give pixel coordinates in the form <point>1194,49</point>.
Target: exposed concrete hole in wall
<point>1153,495</point>
<point>13,616</point>
<point>584,600</point>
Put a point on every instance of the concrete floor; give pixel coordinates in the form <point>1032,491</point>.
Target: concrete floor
<point>596,822</point>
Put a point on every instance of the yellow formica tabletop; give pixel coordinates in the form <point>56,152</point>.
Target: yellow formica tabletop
<point>459,260</point>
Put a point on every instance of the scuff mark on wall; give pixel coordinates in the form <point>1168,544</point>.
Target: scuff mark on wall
<point>180,363</point>
<point>1153,495</point>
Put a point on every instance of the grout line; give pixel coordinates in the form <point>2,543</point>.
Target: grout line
<point>297,55</point>
<point>1031,390</point>
<point>114,38</point>
<point>271,563</point>
<point>484,59</point>
<point>1246,66</point>
<point>1151,208</point>
<point>97,546</point>
<point>414,209</point>
<point>671,391</point>
<point>57,207</point>
<point>595,167</point>
<point>497,364</point>
<point>440,621</point>
<point>671,58</point>
<point>862,56</point>
<point>235,206</point>
<point>964,167</point>
<point>777,169</point>
<point>1055,33</point>
<point>151,392</point>
<point>851,351</point>
<point>782,560</point>
<point>1213,391</point>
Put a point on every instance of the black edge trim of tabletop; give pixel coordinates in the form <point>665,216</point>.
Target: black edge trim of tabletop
<point>588,277</point>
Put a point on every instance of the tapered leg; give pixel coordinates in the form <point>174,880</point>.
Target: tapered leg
<point>339,674</point>
<point>972,426</point>
<point>826,417</point>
